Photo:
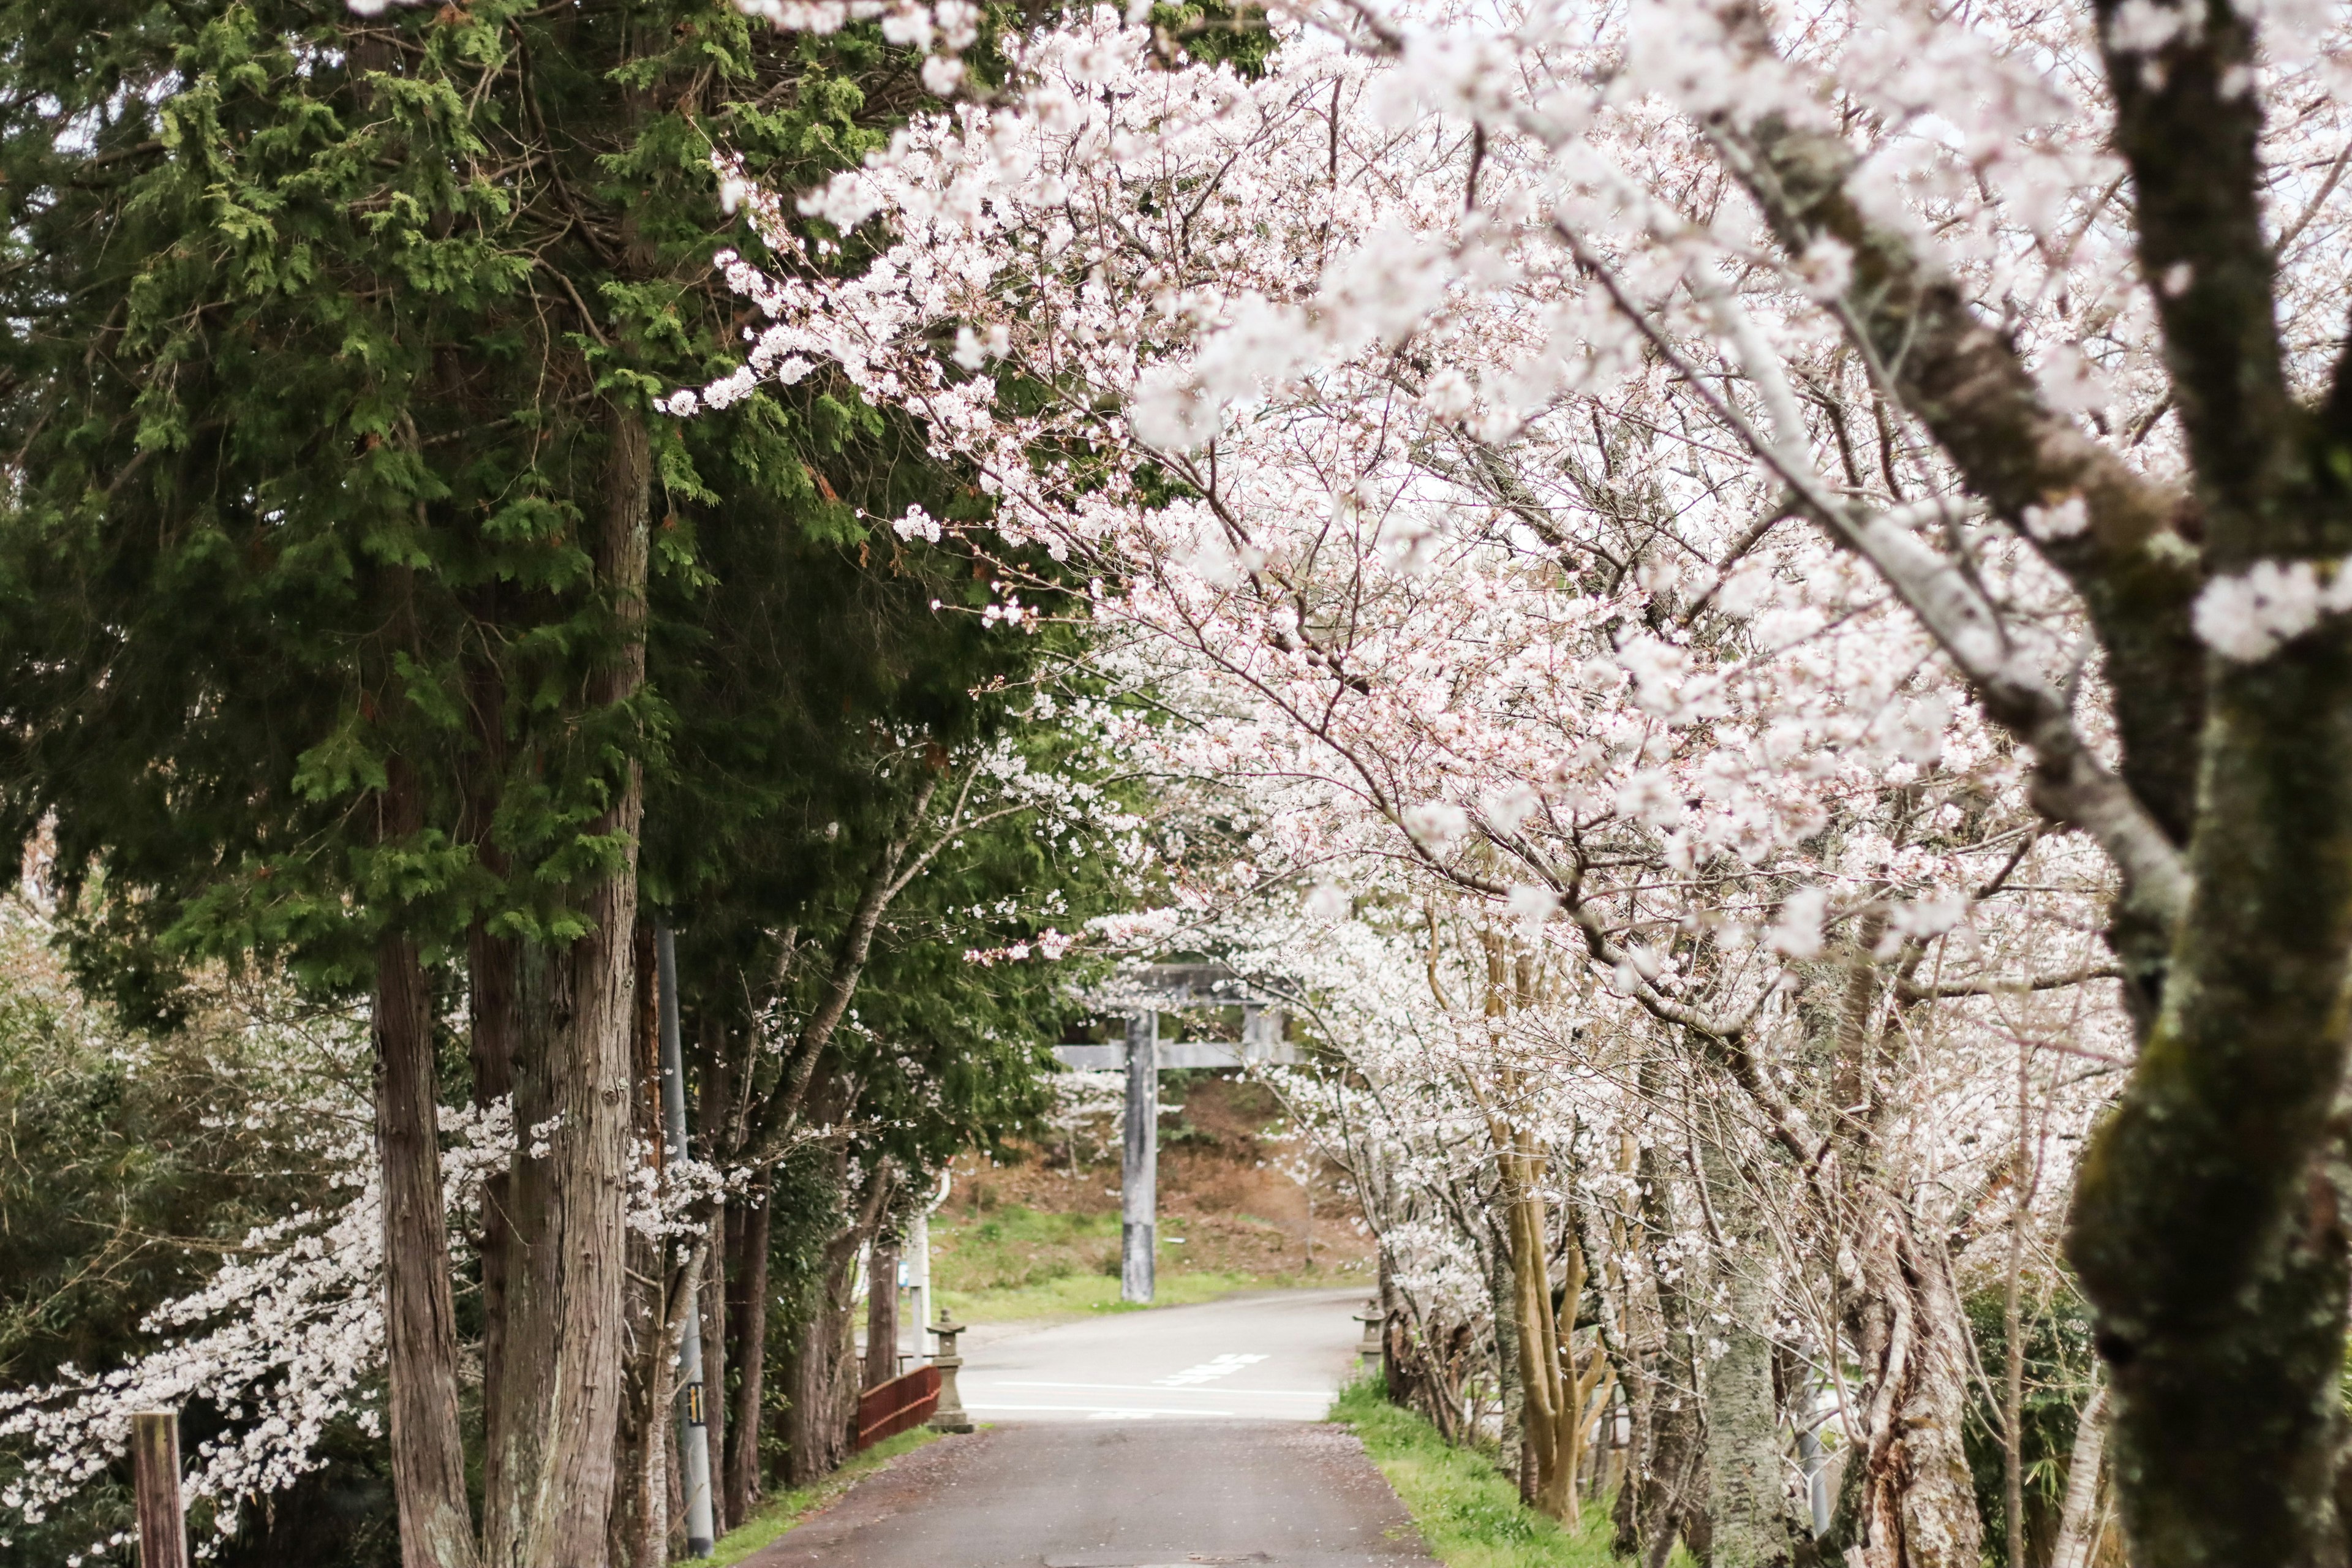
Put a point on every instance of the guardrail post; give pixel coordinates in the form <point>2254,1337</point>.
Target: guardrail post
<point>155,1482</point>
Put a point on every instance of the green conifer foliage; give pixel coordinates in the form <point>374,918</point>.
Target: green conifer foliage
<point>353,597</point>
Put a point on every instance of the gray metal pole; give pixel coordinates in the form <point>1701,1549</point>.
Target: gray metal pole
<point>693,1434</point>
<point>1815,1463</point>
<point>1139,1195</point>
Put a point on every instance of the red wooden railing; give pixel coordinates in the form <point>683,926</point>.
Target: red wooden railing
<point>889,1408</point>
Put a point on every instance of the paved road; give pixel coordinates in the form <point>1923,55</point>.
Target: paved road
<point>1145,1440</point>
<point>1277,1356</point>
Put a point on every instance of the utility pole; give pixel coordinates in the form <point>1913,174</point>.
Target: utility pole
<point>693,1432</point>
<point>1138,1195</point>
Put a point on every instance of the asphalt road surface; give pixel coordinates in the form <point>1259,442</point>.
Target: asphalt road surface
<point>1277,1356</point>
<point>1142,1440</point>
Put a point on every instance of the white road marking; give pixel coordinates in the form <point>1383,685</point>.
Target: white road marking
<point>1163,1388</point>
<point>1223,1366</point>
<point>1087,1409</point>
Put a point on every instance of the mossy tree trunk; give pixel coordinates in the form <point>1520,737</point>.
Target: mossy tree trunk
<point>1754,1526</point>
<point>2205,1228</point>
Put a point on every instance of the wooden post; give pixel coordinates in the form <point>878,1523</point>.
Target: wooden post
<point>155,1461</point>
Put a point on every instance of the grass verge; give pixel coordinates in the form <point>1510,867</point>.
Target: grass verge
<point>1469,1513</point>
<point>788,1510</point>
<point>1012,1262</point>
<point>1079,1295</point>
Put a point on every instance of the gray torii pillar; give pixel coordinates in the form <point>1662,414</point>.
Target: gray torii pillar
<point>1138,1193</point>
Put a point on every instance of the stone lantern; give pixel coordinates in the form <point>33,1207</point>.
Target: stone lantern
<point>950,1416</point>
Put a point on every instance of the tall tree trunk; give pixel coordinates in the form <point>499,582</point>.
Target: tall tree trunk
<point>882,1314</point>
<point>822,1373</point>
<point>1754,1525</point>
<point>1672,1501</point>
<point>640,1518</point>
<point>2078,1519</point>
<point>564,1332</point>
<point>710,1302</point>
<point>494,1018</point>
<point>748,1307</point>
<point>428,1457</point>
<point>494,1001</point>
<point>821,1384</point>
<point>640,1523</point>
<point>1557,1393</point>
<point>1544,1437</point>
<point>1503,1297</point>
<point>1908,1498</point>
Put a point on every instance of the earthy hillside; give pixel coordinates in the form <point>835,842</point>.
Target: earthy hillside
<point>1038,1234</point>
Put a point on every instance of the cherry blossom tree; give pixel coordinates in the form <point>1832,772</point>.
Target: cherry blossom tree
<point>1749,483</point>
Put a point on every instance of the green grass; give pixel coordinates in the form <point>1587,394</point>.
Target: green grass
<point>1072,1295</point>
<point>1469,1513</point>
<point>789,1509</point>
<point>1013,1262</point>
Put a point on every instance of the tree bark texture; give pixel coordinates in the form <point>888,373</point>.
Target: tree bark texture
<point>882,1314</point>
<point>822,1375</point>
<point>494,1021</point>
<point>1560,1393</point>
<point>640,1525</point>
<point>156,1502</point>
<point>561,1381</point>
<point>1754,1525</point>
<point>2078,1518</point>
<point>1906,1498</point>
<point>748,1315</point>
<point>493,985</point>
<point>428,1456</point>
<point>711,1301</point>
<point>1503,1293</point>
<point>821,1381</point>
<point>639,1530</point>
<point>1915,1506</point>
<point>2202,1230</point>
<point>1666,1496</point>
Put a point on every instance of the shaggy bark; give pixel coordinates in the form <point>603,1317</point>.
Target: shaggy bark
<point>561,1383</point>
<point>711,1302</point>
<point>882,1314</point>
<point>2202,1233</point>
<point>1754,1525</point>
<point>1670,1483</point>
<point>428,1457</point>
<point>1908,1499</point>
<point>748,1315</point>
<point>639,1531</point>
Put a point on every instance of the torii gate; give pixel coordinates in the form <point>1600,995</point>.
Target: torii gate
<point>1169,986</point>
